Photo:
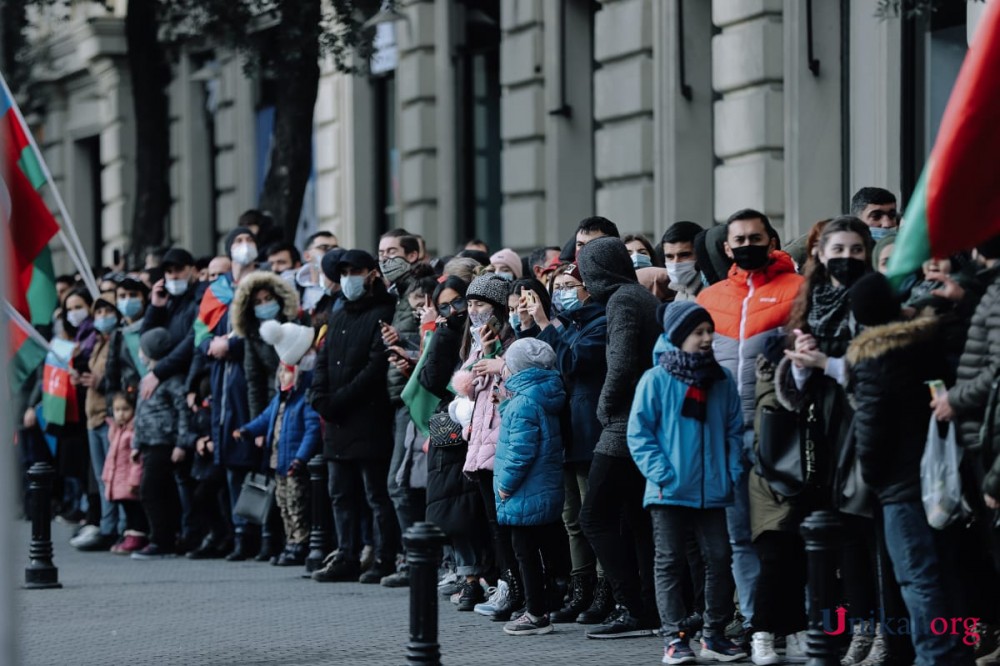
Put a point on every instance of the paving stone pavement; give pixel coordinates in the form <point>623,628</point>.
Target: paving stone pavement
<point>113,610</point>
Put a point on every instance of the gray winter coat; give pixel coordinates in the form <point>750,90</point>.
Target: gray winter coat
<point>408,328</point>
<point>979,363</point>
<point>633,330</point>
<point>162,420</point>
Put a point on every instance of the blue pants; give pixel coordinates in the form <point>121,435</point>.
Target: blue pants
<point>915,563</point>
<point>746,565</point>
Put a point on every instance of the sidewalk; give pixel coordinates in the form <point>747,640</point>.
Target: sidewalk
<point>114,610</point>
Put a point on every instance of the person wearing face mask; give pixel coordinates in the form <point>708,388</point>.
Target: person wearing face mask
<point>124,370</point>
<point>309,278</point>
<point>106,319</point>
<point>333,299</point>
<point>349,391</point>
<point>749,308</point>
<point>680,260</point>
<point>579,336</point>
<point>876,207</point>
<point>813,379</point>
<point>172,306</point>
<point>508,264</point>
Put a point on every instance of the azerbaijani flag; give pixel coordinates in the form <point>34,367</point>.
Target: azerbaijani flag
<point>956,204</point>
<point>27,219</point>
<point>213,306</point>
<point>58,394</point>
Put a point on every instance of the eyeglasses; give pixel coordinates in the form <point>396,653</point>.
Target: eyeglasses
<point>566,287</point>
<point>457,305</point>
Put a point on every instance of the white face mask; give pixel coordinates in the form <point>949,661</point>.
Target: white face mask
<point>682,273</point>
<point>176,287</point>
<point>76,317</point>
<point>244,254</point>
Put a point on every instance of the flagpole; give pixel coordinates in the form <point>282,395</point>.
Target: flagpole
<point>25,325</point>
<point>67,232</point>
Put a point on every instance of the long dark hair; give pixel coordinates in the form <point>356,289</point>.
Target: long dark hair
<point>816,274</point>
<point>532,284</point>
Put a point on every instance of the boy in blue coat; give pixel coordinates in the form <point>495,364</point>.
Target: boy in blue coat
<point>685,434</point>
<point>528,474</point>
<point>292,434</point>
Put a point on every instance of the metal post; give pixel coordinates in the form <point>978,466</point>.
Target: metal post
<point>41,574</point>
<point>820,532</point>
<point>319,532</point>
<point>424,543</point>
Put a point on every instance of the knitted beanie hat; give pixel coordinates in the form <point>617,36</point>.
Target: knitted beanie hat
<point>155,343</point>
<point>291,341</point>
<point>490,288</point>
<point>529,353</point>
<point>507,257</point>
<point>680,318</point>
<point>231,237</point>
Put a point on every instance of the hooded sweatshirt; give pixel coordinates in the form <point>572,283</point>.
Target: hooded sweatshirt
<point>633,330</point>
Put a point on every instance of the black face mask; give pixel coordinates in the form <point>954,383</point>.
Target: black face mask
<point>846,270</point>
<point>456,320</point>
<point>752,257</point>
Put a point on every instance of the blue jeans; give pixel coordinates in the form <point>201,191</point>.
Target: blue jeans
<point>910,543</point>
<point>746,564</point>
<point>234,479</point>
<point>97,439</point>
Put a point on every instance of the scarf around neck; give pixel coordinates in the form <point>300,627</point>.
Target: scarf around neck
<point>829,317</point>
<point>699,371</point>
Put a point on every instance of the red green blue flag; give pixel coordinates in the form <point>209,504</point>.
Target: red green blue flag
<point>956,204</point>
<point>59,404</point>
<point>213,307</point>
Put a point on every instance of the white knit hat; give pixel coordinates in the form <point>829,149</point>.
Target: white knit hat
<point>291,341</point>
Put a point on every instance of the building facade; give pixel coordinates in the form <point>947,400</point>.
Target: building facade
<point>510,120</point>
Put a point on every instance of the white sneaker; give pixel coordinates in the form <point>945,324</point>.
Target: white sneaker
<point>86,533</point>
<point>762,649</point>
<point>498,597</point>
<point>448,579</point>
<point>795,646</point>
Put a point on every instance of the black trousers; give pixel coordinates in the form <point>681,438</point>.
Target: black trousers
<point>159,495</point>
<point>345,478</point>
<point>620,532</point>
<point>780,605</point>
<point>502,548</point>
<point>135,517</point>
<point>537,549</point>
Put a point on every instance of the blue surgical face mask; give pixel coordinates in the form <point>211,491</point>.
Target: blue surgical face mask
<point>352,286</point>
<point>878,233</point>
<point>130,307</point>
<point>105,324</point>
<point>567,300</point>
<point>515,320</point>
<point>505,275</point>
<point>266,311</point>
<point>640,260</point>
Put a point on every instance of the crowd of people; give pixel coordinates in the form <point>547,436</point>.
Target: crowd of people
<point>614,433</point>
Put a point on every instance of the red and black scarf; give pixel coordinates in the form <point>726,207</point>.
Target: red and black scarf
<point>699,371</point>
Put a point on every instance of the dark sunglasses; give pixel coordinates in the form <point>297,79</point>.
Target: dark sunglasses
<point>457,305</point>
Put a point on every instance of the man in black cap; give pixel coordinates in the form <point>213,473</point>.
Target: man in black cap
<point>349,391</point>
<point>172,306</point>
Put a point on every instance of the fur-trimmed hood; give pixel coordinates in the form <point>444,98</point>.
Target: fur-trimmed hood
<point>241,310</point>
<point>878,341</point>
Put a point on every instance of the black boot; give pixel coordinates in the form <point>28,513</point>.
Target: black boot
<point>240,551</point>
<point>268,550</point>
<point>515,599</point>
<point>602,605</point>
<point>581,596</point>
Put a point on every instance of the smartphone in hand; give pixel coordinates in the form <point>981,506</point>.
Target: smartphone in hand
<point>493,324</point>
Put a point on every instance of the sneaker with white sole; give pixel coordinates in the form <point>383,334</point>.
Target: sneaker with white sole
<point>762,649</point>
<point>86,533</point>
<point>678,652</point>
<point>499,596</point>
<point>528,625</point>
<point>721,649</point>
<point>795,647</point>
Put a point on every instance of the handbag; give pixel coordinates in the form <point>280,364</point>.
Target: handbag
<point>853,495</point>
<point>444,432</point>
<point>786,455</point>
<point>940,480</point>
<point>256,498</point>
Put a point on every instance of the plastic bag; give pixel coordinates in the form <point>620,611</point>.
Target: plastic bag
<point>940,483</point>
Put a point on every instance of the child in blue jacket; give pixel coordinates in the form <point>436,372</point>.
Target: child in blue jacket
<point>292,434</point>
<point>528,474</point>
<point>685,433</point>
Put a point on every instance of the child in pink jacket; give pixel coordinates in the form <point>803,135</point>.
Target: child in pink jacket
<point>121,475</point>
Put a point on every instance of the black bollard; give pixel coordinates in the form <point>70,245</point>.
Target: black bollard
<point>424,543</point>
<point>41,574</point>
<point>821,531</point>
<point>319,532</point>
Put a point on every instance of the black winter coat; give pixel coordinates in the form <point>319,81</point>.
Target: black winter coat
<point>442,360</point>
<point>349,385</point>
<point>178,318</point>
<point>889,367</point>
<point>979,363</point>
